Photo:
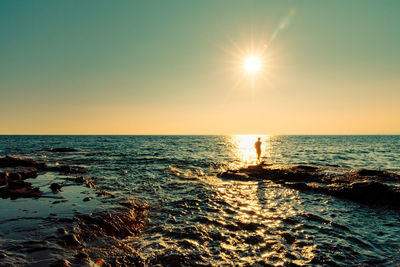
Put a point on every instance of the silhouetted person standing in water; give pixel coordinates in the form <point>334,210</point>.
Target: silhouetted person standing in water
<point>257,146</point>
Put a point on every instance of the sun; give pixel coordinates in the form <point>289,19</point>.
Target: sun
<point>252,64</point>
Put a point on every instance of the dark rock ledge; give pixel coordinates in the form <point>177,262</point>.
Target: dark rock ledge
<point>100,236</point>
<point>376,187</point>
<point>13,172</point>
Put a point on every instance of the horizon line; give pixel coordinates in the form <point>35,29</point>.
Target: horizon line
<point>356,134</point>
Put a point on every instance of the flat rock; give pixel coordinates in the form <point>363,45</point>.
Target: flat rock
<point>364,186</point>
<point>9,161</point>
<point>19,189</point>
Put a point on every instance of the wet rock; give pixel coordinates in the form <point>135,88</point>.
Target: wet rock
<point>289,238</point>
<point>33,173</point>
<point>234,175</point>
<point>374,192</point>
<point>15,176</point>
<point>59,201</point>
<point>66,220</point>
<point>62,231</point>
<point>125,222</point>
<point>90,184</point>
<point>3,178</point>
<point>61,263</point>
<point>87,199</point>
<point>18,189</point>
<point>135,260</point>
<point>79,179</point>
<point>71,241</point>
<point>103,193</point>
<point>63,149</point>
<point>55,187</point>
<point>366,172</point>
<point>380,188</point>
<point>306,168</point>
<point>370,187</point>
<point>65,169</point>
<point>82,255</point>
<point>298,186</point>
<point>19,174</point>
<point>103,231</point>
<point>9,161</point>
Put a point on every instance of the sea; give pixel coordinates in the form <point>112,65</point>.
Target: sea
<point>197,218</point>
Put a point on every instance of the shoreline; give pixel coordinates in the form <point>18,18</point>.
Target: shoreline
<point>73,220</point>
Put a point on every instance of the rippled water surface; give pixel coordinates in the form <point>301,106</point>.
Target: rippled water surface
<point>197,218</point>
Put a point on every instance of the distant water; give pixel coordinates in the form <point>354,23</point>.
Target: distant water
<point>197,218</point>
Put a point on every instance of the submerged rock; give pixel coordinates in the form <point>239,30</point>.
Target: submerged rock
<point>17,169</point>
<point>103,193</point>
<point>71,240</point>
<point>126,221</point>
<point>234,175</point>
<point>80,179</point>
<point>82,255</point>
<point>19,186</point>
<point>61,263</point>
<point>65,169</point>
<point>378,173</point>
<point>55,187</point>
<point>62,231</point>
<point>17,174</point>
<point>97,236</point>
<point>18,189</point>
<point>9,161</point>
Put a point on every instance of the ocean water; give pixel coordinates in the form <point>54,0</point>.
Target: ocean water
<point>197,218</point>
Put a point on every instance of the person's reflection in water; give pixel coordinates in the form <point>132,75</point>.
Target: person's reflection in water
<point>257,146</point>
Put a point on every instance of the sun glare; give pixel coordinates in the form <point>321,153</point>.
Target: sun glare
<point>252,64</point>
<point>244,147</point>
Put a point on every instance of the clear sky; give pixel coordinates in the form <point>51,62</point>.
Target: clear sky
<point>176,67</point>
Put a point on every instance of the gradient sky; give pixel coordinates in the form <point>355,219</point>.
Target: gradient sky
<point>174,67</point>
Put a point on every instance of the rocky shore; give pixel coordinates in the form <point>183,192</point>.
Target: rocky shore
<point>56,215</point>
<point>372,187</point>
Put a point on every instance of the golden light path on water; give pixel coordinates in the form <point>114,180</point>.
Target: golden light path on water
<point>252,220</point>
<point>259,208</point>
<point>244,147</point>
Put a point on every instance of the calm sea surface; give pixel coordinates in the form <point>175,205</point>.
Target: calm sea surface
<point>197,218</point>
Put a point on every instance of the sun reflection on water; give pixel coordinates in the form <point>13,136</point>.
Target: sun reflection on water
<point>255,212</point>
<point>244,147</point>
